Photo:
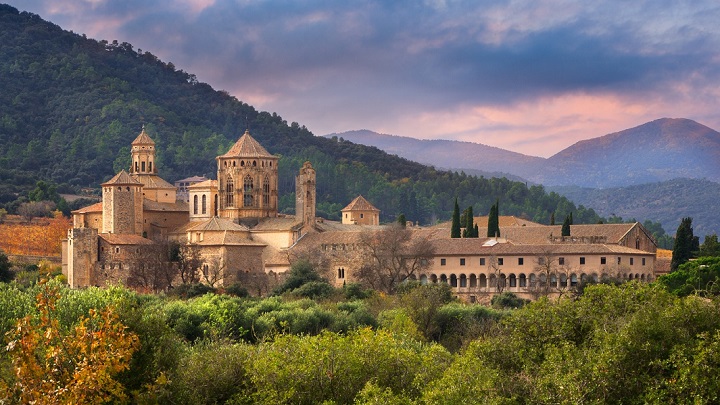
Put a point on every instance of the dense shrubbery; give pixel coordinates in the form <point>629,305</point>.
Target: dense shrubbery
<point>633,343</point>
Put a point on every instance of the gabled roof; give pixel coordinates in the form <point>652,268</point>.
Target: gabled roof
<point>153,181</point>
<point>246,147</point>
<point>359,204</point>
<point>143,139</point>
<point>97,207</point>
<point>125,239</point>
<point>122,178</point>
<point>218,224</point>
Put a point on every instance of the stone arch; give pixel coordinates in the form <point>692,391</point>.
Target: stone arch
<point>453,280</point>
<point>463,280</point>
<point>512,280</point>
<point>433,279</point>
<point>522,280</point>
<point>482,281</point>
<point>443,279</point>
<point>473,281</point>
<point>423,279</point>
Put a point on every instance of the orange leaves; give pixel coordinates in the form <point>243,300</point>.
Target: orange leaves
<point>79,365</point>
<point>36,239</point>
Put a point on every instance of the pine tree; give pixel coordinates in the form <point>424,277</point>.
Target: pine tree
<point>566,226</point>
<point>401,220</point>
<point>455,229</point>
<point>684,244</point>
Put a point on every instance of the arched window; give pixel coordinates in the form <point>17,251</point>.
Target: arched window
<point>195,205</point>
<point>453,280</point>
<point>204,204</point>
<point>482,281</point>
<point>247,192</point>
<point>522,280</point>
<point>150,168</point>
<point>229,192</point>
<point>463,280</point>
<point>513,280</point>
<point>266,192</point>
<point>473,281</point>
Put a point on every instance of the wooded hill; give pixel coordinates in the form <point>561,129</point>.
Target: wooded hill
<point>71,105</point>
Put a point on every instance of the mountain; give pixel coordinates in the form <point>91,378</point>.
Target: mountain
<point>660,150</point>
<point>474,158</point>
<point>71,105</point>
<point>666,202</point>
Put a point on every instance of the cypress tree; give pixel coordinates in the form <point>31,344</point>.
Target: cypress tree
<point>401,220</point>
<point>571,219</point>
<point>552,218</point>
<point>455,229</point>
<point>493,222</point>
<point>684,244</point>
<point>469,224</point>
<point>566,226</point>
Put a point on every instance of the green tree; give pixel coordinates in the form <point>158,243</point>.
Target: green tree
<point>493,229</point>
<point>6,275</point>
<point>684,242</point>
<point>301,272</point>
<point>470,228</point>
<point>455,228</point>
<point>401,220</point>
<point>710,247</point>
<point>565,231</point>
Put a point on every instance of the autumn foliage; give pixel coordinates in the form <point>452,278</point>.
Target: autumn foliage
<point>38,238</point>
<point>79,365</point>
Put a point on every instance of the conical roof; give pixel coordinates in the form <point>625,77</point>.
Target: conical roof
<point>360,204</point>
<point>143,138</point>
<point>246,147</point>
<point>122,178</point>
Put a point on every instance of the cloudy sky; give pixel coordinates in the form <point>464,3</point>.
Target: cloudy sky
<point>530,76</point>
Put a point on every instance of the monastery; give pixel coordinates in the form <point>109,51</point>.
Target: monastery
<point>233,227</point>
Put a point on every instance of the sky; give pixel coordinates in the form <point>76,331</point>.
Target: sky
<point>530,76</point>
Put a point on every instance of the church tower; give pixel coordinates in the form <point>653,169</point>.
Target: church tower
<point>122,205</point>
<point>305,194</point>
<point>247,181</point>
<point>144,170</point>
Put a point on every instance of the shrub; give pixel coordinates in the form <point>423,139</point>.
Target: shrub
<point>507,300</point>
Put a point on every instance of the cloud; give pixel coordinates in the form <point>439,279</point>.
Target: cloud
<point>525,75</point>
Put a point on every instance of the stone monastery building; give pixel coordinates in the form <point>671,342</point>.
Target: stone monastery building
<point>233,226</point>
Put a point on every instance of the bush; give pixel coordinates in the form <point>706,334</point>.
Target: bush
<point>192,290</point>
<point>314,290</point>
<point>507,300</point>
<point>355,291</point>
<point>237,290</point>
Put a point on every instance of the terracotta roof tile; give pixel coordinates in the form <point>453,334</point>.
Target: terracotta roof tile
<point>97,207</point>
<point>217,224</point>
<point>247,146</point>
<point>122,178</point>
<point>125,239</point>
<point>143,139</point>
<point>360,204</point>
<point>153,181</point>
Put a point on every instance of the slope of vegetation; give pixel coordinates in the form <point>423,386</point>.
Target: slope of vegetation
<point>71,105</point>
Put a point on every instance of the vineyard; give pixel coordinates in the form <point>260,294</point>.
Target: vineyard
<point>39,237</point>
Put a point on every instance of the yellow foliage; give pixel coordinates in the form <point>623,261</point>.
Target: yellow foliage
<point>37,239</point>
<point>78,366</point>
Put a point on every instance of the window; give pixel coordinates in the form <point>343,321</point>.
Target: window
<point>142,166</point>
<point>482,261</point>
<point>637,244</point>
<point>195,205</point>
<point>619,259</point>
<point>230,192</point>
<point>541,261</point>
<point>603,260</point>
<point>150,167</point>
<point>521,261</point>
<point>204,204</point>
<point>266,192</point>
<point>248,192</point>
<point>500,261</point>
<point>643,261</point>
<point>561,261</point>
<point>462,262</point>
<point>582,260</point>
<point>341,272</point>
<point>632,260</point>
<point>442,262</point>
<point>362,215</point>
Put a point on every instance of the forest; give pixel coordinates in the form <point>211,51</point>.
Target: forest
<point>604,343</point>
<point>71,105</point>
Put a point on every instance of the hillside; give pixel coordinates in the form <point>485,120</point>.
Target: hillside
<point>660,150</point>
<point>666,202</point>
<point>70,106</point>
<point>469,156</point>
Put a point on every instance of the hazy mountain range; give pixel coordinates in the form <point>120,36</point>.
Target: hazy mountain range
<point>660,150</point>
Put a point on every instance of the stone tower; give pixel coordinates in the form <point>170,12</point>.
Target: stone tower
<point>305,195</point>
<point>144,170</point>
<point>247,181</point>
<point>122,205</point>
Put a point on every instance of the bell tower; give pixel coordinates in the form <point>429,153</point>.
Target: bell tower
<point>305,194</point>
<point>143,154</point>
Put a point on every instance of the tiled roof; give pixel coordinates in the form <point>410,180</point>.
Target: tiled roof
<point>153,181</point>
<point>143,139</point>
<point>275,257</point>
<point>150,205</point>
<point>228,238</point>
<point>97,207</point>
<point>217,224</point>
<point>125,239</point>
<point>609,233</point>
<point>277,224</point>
<point>504,221</point>
<point>203,184</point>
<point>477,247</point>
<point>359,204</point>
<point>122,178</point>
<point>247,146</point>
